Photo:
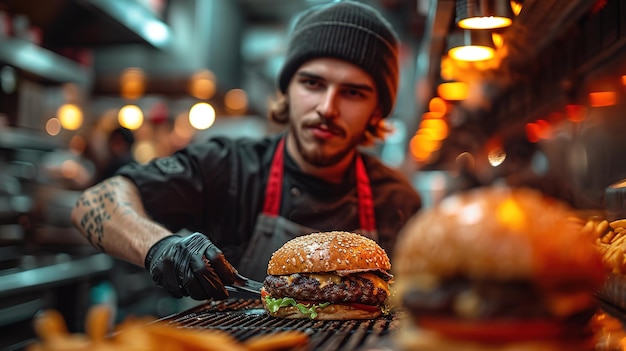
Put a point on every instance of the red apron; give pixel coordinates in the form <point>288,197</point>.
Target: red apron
<point>272,231</point>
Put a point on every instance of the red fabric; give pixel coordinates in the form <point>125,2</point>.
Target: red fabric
<point>273,190</point>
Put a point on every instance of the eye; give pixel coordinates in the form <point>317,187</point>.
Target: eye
<point>354,93</point>
<point>310,83</point>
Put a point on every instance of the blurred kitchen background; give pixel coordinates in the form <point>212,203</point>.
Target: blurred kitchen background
<point>86,85</point>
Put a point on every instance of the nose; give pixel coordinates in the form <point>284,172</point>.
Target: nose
<point>327,106</point>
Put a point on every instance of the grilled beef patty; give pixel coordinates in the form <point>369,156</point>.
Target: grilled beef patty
<point>347,289</point>
<point>488,300</point>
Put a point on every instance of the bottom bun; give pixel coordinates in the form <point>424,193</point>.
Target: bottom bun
<point>330,312</point>
<point>411,338</point>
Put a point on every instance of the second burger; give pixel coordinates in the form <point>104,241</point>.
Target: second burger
<point>497,268</point>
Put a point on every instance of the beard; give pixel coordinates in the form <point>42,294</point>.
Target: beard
<point>314,153</point>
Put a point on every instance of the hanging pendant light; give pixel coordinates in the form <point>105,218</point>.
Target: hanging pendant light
<point>484,14</point>
<point>471,45</point>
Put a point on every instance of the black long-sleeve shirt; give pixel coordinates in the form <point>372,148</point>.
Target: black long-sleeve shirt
<point>217,188</point>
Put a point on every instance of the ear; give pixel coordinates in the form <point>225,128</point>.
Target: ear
<point>377,116</point>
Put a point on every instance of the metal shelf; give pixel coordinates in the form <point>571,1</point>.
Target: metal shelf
<point>41,62</point>
<point>54,274</point>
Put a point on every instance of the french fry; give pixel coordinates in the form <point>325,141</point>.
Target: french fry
<point>602,227</point>
<point>277,341</point>
<point>602,247</point>
<point>50,324</point>
<point>588,228</point>
<point>97,322</point>
<point>195,339</point>
<point>619,223</point>
<point>608,237</point>
<point>70,342</point>
<point>51,328</point>
<point>612,258</point>
<point>131,336</point>
<point>617,236</point>
<point>143,334</point>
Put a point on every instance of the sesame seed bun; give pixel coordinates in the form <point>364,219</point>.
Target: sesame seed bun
<point>328,252</point>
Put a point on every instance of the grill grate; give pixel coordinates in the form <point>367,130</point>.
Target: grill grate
<point>244,318</point>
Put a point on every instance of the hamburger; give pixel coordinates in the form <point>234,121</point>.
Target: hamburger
<point>327,276</point>
<point>496,268</point>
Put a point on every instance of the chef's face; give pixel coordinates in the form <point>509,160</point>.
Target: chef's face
<point>331,103</point>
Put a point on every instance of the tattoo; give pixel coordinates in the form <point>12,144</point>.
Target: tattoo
<point>99,200</point>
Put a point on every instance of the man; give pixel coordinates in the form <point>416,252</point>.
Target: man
<point>119,143</point>
<point>248,197</point>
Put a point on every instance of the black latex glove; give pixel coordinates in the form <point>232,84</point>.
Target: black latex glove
<point>190,266</point>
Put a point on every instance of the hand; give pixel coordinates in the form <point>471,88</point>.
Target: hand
<point>190,266</point>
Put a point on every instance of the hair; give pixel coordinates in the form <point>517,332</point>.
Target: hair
<point>125,134</point>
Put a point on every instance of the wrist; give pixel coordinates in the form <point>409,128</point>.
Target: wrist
<point>156,248</point>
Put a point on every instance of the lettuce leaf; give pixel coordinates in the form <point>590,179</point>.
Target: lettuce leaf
<point>309,310</point>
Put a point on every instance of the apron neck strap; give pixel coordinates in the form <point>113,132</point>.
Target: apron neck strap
<point>367,219</point>
<point>273,190</point>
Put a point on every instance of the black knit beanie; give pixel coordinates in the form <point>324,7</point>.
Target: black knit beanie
<point>350,31</point>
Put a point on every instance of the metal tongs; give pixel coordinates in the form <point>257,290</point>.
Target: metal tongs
<point>243,284</point>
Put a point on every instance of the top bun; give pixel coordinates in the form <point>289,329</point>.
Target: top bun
<point>498,233</point>
<point>328,252</point>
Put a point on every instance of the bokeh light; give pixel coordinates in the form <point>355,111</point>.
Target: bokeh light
<point>202,116</point>
<point>71,116</point>
<point>132,83</point>
<point>202,85</point>
<point>53,126</point>
<point>236,100</point>
<point>130,117</point>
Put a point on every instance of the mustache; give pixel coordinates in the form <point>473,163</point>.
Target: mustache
<point>325,124</point>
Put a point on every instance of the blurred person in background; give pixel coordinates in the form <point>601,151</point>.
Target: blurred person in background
<point>190,217</point>
<point>119,146</point>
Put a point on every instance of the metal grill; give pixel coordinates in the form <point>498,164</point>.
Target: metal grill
<point>243,318</point>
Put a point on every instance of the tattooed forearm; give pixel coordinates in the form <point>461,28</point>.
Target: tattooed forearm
<point>111,216</point>
<point>99,203</point>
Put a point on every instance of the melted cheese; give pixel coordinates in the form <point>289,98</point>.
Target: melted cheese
<point>328,278</point>
<point>378,282</point>
<point>325,278</point>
